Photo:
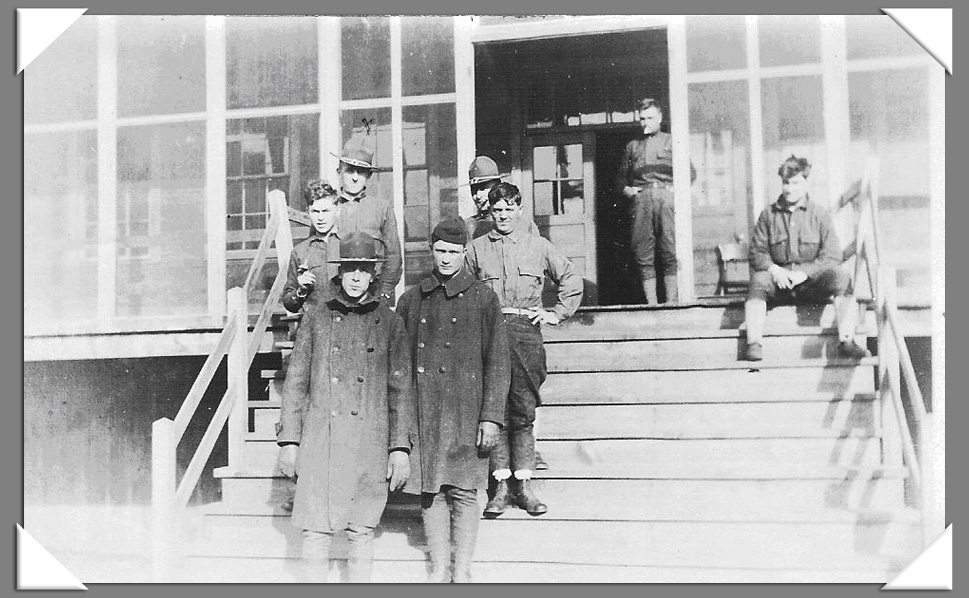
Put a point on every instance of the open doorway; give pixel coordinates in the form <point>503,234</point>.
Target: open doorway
<point>557,113</point>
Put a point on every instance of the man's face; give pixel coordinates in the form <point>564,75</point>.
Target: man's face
<point>448,257</point>
<point>353,178</point>
<point>479,193</point>
<point>650,120</point>
<point>323,215</point>
<point>794,188</point>
<point>355,278</point>
<point>505,216</point>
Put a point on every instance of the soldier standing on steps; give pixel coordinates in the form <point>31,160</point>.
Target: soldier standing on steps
<point>794,253</point>
<point>348,415</point>
<point>515,264</point>
<point>462,373</point>
<point>645,178</point>
<point>309,260</point>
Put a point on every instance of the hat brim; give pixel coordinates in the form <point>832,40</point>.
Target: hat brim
<point>359,163</point>
<point>484,179</point>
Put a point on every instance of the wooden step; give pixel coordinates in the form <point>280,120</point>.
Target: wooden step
<point>790,419</point>
<point>852,545</point>
<point>691,354</point>
<point>690,322</point>
<point>649,500</point>
<point>281,570</point>
<point>637,458</point>
<point>705,386</point>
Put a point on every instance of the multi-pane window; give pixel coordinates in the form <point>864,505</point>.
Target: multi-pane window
<point>558,180</point>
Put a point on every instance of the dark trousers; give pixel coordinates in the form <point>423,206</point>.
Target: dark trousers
<point>817,288</point>
<point>516,441</point>
<point>653,232</point>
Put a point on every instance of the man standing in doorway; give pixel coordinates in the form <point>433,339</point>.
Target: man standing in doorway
<point>373,215</point>
<point>646,179</point>
<point>794,252</point>
<point>515,265</point>
<point>460,349</point>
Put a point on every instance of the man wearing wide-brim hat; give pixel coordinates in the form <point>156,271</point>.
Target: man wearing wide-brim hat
<point>368,213</point>
<point>348,418</point>
<point>483,174</point>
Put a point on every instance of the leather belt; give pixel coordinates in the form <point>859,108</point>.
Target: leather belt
<point>515,311</point>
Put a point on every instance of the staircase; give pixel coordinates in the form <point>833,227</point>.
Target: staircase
<point>670,461</point>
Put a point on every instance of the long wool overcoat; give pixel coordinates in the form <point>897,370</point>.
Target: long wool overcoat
<point>347,401</point>
<point>461,374</point>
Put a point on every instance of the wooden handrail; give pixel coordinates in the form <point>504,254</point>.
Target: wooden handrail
<point>241,349</point>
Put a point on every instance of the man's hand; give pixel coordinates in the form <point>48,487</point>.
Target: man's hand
<point>398,469</point>
<point>797,277</point>
<point>541,316</point>
<point>287,460</point>
<point>631,192</point>
<point>306,280</point>
<point>487,436</point>
<point>782,277</point>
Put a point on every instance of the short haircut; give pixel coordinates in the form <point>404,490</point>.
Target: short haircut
<point>318,189</point>
<point>505,192</point>
<point>650,103</point>
<point>794,166</point>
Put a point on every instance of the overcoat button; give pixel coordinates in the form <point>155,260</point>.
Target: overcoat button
<point>337,318</point>
<point>369,349</point>
<point>420,345</point>
<point>353,412</point>
<point>447,344</point>
<point>460,294</point>
<point>420,369</point>
<point>359,378</point>
<point>333,413</point>
<point>442,369</point>
<point>334,380</point>
<point>454,320</point>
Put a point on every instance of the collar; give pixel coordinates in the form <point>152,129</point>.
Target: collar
<point>367,303</point>
<point>458,283</point>
<point>513,236</point>
<point>344,198</point>
<point>334,232</point>
<point>801,205</point>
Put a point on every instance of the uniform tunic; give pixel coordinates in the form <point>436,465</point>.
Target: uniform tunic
<point>374,216</point>
<point>313,253</point>
<point>347,401</point>
<point>461,374</point>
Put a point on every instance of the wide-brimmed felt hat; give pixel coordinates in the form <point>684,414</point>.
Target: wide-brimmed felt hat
<point>358,151</point>
<point>358,247</point>
<point>482,170</point>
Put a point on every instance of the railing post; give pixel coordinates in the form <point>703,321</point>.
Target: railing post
<point>284,234</point>
<point>238,377</point>
<point>887,365</point>
<point>162,498</point>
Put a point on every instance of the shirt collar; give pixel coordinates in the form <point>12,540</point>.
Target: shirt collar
<point>344,198</point>
<point>494,235</point>
<point>334,232</point>
<point>801,205</point>
<point>458,283</point>
<point>367,302</point>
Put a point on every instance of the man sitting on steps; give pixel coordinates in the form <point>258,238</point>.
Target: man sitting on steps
<point>795,253</point>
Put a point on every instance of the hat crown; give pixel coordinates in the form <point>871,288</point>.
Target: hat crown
<point>483,168</point>
<point>358,151</point>
<point>451,230</point>
<point>358,246</point>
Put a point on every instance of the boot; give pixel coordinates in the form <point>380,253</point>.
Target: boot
<point>437,527</point>
<point>464,532</point>
<point>359,554</point>
<point>526,499</point>
<point>649,287</point>
<point>502,500</point>
<point>672,293</point>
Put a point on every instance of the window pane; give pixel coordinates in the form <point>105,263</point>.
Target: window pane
<point>722,191</point>
<point>544,196</point>
<point>61,83</point>
<point>789,39</point>
<point>716,43</point>
<point>271,61</point>
<point>415,187</point>
<point>573,198</point>
<point>544,158</point>
<point>878,36</point>
<point>428,55</point>
<point>60,229</point>
<point>161,65</point>
<point>366,57</point>
<point>435,126</point>
<point>570,161</point>
<point>416,226</point>
<point>161,190</point>
<point>890,119</point>
<point>793,109</point>
<point>357,122</point>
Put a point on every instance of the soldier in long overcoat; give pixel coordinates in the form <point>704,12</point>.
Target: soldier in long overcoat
<point>462,373</point>
<point>348,406</point>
